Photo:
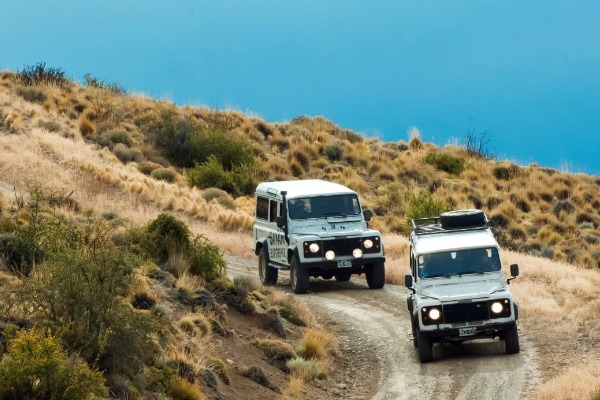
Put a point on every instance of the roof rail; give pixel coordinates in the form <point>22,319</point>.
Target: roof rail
<point>432,225</point>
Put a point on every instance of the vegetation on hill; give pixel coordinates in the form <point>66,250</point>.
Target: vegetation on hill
<point>143,275</point>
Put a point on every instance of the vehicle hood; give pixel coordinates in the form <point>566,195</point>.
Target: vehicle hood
<point>324,229</point>
<point>463,290</point>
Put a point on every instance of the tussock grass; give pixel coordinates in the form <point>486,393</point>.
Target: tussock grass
<point>576,383</point>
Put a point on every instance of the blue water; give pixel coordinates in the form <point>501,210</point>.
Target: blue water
<point>525,72</point>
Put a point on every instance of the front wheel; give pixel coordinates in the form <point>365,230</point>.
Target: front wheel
<point>267,275</point>
<point>376,275</point>
<point>299,277</point>
<point>425,348</point>
<point>511,340</point>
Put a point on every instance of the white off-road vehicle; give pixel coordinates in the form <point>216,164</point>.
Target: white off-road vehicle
<point>459,291</point>
<point>314,228</point>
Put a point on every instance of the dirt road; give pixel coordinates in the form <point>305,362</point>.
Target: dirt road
<point>380,361</point>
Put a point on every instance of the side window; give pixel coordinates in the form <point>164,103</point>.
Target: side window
<point>273,211</point>
<point>262,208</point>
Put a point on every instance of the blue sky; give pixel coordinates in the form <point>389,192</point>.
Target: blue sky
<point>526,72</point>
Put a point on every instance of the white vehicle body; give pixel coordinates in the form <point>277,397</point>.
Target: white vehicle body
<point>459,291</point>
<point>314,228</point>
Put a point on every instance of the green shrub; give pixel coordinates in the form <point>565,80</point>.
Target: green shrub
<point>120,136</point>
<point>446,162</point>
<point>291,315</point>
<point>146,167</point>
<point>333,151</point>
<point>31,94</point>
<point>126,154</point>
<point>167,234</point>
<point>226,202</point>
<point>205,259</point>
<point>164,174</point>
<point>423,205</point>
<point>40,75</point>
<point>36,367</point>
<point>212,174</point>
<point>213,193</point>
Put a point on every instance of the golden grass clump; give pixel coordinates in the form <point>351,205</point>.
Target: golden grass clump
<point>195,325</point>
<point>232,221</point>
<point>276,349</point>
<point>13,122</point>
<point>87,127</point>
<point>318,344</point>
<point>575,383</point>
<point>184,390</point>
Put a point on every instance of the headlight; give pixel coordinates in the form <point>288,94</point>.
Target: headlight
<point>497,307</point>
<point>357,253</point>
<point>314,247</point>
<point>431,315</point>
<point>330,255</point>
<point>368,243</point>
<point>434,314</point>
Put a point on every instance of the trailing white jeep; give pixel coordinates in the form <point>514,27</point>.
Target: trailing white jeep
<point>459,291</point>
<point>314,228</point>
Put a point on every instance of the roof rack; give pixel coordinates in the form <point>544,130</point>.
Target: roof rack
<point>432,225</point>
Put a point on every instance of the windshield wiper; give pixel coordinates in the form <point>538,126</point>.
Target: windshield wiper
<point>334,214</point>
<point>470,272</point>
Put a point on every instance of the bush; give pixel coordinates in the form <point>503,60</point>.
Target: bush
<point>423,205</point>
<point>212,174</point>
<point>101,84</point>
<point>506,173</point>
<point>120,136</point>
<point>164,174</point>
<point>205,259</point>
<point>37,367</point>
<point>146,167</point>
<point>333,151</point>
<point>31,94</point>
<point>213,193</point>
<point>126,154</point>
<point>40,75</point>
<point>446,162</point>
<point>166,234</point>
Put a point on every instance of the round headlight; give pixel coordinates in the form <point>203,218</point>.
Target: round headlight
<point>314,247</point>
<point>368,243</point>
<point>357,253</point>
<point>434,314</point>
<point>330,255</point>
<point>497,307</point>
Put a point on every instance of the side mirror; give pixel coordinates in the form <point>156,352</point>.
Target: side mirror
<point>281,221</point>
<point>367,214</point>
<point>408,281</point>
<point>514,272</point>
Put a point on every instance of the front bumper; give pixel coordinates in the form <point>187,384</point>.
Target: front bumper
<point>483,331</point>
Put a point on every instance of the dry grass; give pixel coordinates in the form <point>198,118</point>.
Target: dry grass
<point>276,349</point>
<point>318,344</point>
<point>577,383</point>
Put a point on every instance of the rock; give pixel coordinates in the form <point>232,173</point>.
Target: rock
<point>272,320</point>
<point>259,376</point>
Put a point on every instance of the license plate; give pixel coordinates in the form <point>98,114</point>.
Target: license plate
<point>469,331</point>
<point>344,263</point>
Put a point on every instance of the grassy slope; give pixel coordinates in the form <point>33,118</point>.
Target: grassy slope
<point>539,211</point>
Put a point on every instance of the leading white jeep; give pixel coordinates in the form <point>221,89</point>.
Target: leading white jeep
<point>459,291</point>
<point>314,228</point>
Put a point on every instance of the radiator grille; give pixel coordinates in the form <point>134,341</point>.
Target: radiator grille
<point>342,247</point>
<point>466,312</point>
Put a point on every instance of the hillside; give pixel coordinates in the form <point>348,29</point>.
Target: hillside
<point>129,158</point>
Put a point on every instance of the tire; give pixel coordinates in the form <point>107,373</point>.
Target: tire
<point>414,333</point>
<point>376,275</point>
<point>511,340</point>
<point>299,278</point>
<point>343,277</point>
<point>462,218</point>
<point>425,348</point>
<point>327,276</point>
<point>268,275</point>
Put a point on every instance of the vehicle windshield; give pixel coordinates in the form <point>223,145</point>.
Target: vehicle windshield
<point>339,205</point>
<point>472,261</point>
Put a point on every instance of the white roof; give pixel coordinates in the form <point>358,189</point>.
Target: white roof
<point>448,241</point>
<point>303,188</point>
